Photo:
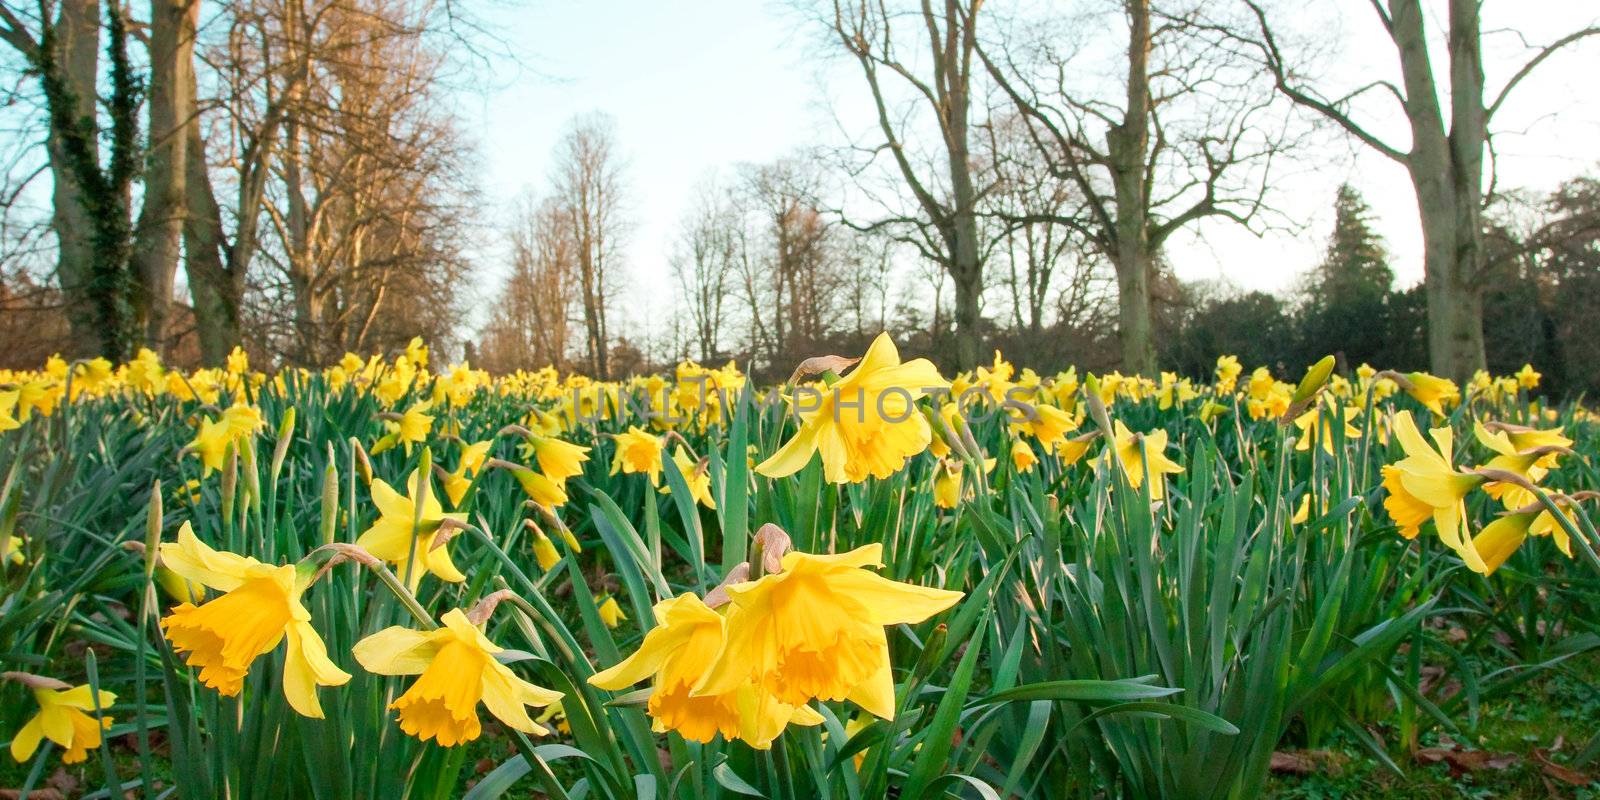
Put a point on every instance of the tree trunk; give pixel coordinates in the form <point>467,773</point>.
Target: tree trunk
<point>171,108</point>
<point>1126,148</point>
<point>969,290</point>
<point>966,270</point>
<point>77,30</point>
<point>217,291</point>
<point>1446,171</point>
<point>966,267</point>
<point>1135,332</point>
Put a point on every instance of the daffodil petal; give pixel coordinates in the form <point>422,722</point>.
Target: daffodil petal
<point>27,739</point>
<point>193,559</point>
<point>876,694</point>
<point>306,665</point>
<point>792,456</point>
<point>397,651</point>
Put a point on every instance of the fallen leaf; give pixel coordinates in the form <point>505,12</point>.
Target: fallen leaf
<point>62,781</point>
<point>1303,762</point>
<point>1463,761</point>
<point>1561,773</point>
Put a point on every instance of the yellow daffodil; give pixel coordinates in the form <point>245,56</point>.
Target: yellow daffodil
<point>39,395</point>
<point>8,410</point>
<point>458,481</point>
<point>64,718</point>
<point>676,654</point>
<point>1140,452</point>
<point>539,488</point>
<point>457,668</point>
<point>211,444</point>
<point>865,423</point>
<point>696,475</point>
<point>815,630</point>
<point>243,420</point>
<point>455,486</point>
<point>1501,537</point>
<point>1533,463</point>
<point>238,363</point>
<point>1503,437</point>
<point>1425,485</point>
<point>473,456</point>
<point>638,451</point>
<point>413,426</point>
<point>560,460</point>
<point>1022,456</point>
<point>1432,391</point>
<point>260,607</point>
<point>399,534</point>
<point>555,713</point>
<point>544,552</point>
<point>610,613</point>
<point>91,376</point>
<point>1316,426</point>
<point>1048,424</point>
<point>1212,409</point>
<point>1528,377</point>
<point>947,484</point>
<point>1228,369</point>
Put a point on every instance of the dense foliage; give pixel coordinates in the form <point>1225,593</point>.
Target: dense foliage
<point>1017,585</point>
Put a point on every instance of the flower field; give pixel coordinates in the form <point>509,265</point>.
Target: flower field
<point>397,579</point>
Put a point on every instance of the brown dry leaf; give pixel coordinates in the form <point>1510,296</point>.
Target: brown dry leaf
<point>62,781</point>
<point>1290,764</point>
<point>1300,762</point>
<point>1429,675</point>
<point>36,794</point>
<point>816,365</point>
<point>1461,761</point>
<point>1561,773</point>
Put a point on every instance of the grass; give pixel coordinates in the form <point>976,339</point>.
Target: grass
<point>1555,713</point>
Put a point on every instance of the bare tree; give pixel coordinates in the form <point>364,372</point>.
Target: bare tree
<point>866,270</point>
<point>1189,135</point>
<point>781,201</point>
<point>262,63</point>
<point>925,54</point>
<point>529,328</point>
<point>366,201</point>
<point>588,183</point>
<point>1445,157</point>
<point>705,263</point>
<point>1034,245</point>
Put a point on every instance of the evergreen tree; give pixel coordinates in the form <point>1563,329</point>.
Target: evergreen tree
<point>1356,267</point>
<point>1345,309</point>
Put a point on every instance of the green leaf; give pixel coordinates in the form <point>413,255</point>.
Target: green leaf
<point>1083,691</point>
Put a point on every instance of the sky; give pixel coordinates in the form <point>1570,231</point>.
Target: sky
<point>697,86</point>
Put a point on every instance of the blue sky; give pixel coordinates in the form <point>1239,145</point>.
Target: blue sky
<point>700,85</point>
